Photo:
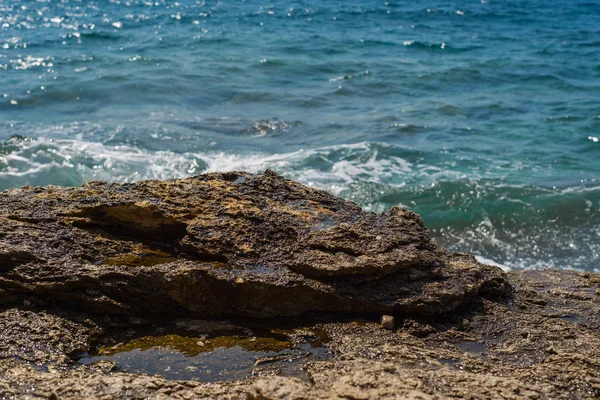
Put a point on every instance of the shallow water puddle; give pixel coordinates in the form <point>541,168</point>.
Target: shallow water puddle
<point>139,259</point>
<point>222,356</point>
<point>472,346</point>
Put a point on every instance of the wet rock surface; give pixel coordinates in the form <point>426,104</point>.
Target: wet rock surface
<point>40,337</point>
<point>231,244</point>
<point>291,276</point>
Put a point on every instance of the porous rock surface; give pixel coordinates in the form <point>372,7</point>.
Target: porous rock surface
<point>542,344</point>
<point>74,262</point>
<point>231,244</point>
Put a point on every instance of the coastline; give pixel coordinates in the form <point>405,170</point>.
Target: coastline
<point>192,256</point>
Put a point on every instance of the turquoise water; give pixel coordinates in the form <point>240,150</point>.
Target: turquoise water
<point>483,116</point>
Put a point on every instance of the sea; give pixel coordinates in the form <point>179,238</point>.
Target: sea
<point>483,116</point>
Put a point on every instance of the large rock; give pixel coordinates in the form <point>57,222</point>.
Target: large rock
<point>222,245</point>
<point>80,265</point>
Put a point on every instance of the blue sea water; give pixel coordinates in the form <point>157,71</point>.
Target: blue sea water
<point>483,116</point>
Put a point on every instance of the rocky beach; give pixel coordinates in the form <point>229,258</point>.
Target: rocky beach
<point>130,290</point>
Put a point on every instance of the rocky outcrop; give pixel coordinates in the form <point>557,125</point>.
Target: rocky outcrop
<point>79,264</point>
<point>232,244</point>
<point>543,344</point>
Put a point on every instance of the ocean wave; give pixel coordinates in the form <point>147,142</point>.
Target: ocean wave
<point>516,225</point>
<point>332,168</point>
<point>374,162</point>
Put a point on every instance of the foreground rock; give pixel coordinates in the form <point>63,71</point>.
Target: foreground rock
<point>83,268</point>
<point>543,344</point>
<point>225,245</point>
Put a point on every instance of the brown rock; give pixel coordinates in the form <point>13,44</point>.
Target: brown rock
<point>258,245</point>
<point>42,337</point>
<point>226,244</point>
<point>239,245</point>
<point>387,322</point>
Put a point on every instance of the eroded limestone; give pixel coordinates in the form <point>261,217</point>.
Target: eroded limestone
<point>78,262</point>
<point>232,244</point>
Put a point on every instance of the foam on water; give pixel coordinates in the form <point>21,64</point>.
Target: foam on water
<point>27,161</point>
<point>512,226</point>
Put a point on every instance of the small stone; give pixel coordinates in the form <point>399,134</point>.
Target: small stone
<point>252,339</point>
<point>387,322</point>
<point>200,343</point>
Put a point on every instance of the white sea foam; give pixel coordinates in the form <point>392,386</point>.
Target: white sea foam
<point>83,160</point>
<point>361,172</point>
<point>518,264</point>
<point>334,168</point>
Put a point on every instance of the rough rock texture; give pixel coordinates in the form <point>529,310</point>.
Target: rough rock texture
<point>76,262</point>
<point>225,244</point>
<point>42,338</point>
<point>542,344</point>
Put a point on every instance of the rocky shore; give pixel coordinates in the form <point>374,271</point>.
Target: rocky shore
<point>102,285</point>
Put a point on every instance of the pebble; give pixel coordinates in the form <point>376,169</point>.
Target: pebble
<point>387,322</point>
